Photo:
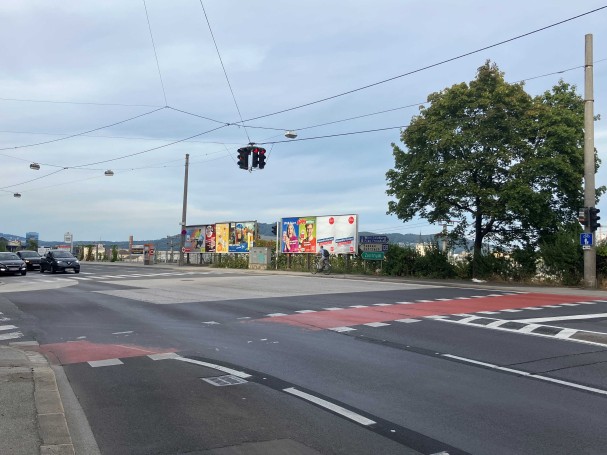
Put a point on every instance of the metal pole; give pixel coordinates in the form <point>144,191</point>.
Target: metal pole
<point>277,245</point>
<point>589,165</point>
<point>185,207</point>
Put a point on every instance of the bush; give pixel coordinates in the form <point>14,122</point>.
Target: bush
<point>562,257</point>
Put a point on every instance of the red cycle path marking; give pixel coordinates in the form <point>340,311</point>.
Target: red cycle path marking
<point>85,351</point>
<point>357,316</point>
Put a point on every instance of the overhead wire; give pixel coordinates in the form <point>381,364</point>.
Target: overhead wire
<point>155,53</point>
<point>224,68</point>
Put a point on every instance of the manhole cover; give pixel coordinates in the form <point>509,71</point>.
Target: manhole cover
<point>221,381</point>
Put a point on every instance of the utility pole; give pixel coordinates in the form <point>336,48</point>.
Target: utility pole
<point>589,165</point>
<point>184,210</point>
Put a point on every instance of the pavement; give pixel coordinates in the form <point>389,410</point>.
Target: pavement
<point>32,415</point>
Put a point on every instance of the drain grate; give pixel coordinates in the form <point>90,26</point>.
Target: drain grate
<point>221,381</point>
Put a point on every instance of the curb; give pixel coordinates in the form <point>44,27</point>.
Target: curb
<point>52,426</point>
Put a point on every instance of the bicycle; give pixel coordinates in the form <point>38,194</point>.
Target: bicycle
<point>321,266</point>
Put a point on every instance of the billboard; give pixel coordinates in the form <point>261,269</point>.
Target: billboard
<point>230,237</point>
<point>336,233</point>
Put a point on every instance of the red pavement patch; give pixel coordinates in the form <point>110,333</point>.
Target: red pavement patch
<point>85,351</point>
<point>357,316</point>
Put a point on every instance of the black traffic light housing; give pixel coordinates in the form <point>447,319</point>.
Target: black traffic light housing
<point>243,158</point>
<point>274,231</point>
<point>593,219</point>
<point>261,158</point>
<point>255,157</point>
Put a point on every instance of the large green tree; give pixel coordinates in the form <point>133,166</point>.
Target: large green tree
<point>507,166</point>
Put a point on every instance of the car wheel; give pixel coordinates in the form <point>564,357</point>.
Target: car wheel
<point>24,272</point>
<point>76,271</point>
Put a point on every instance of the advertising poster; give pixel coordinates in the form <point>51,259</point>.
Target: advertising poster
<point>290,235</point>
<point>337,233</point>
<point>242,236</point>
<point>222,237</point>
<point>209,238</point>
<point>196,243</point>
<point>307,234</point>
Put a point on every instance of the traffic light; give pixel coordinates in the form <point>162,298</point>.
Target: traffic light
<point>255,151</point>
<point>593,219</point>
<point>243,158</point>
<point>583,217</point>
<point>274,230</point>
<point>261,159</point>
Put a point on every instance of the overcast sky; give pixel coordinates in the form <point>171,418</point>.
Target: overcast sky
<point>95,61</point>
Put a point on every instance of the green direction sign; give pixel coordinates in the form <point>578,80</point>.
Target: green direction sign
<point>373,255</point>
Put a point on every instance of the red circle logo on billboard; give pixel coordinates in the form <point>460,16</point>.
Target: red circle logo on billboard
<point>351,220</point>
<point>331,220</point>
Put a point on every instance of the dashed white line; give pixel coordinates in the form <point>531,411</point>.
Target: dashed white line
<point>443,300</point>
<point>306,311</point>
<point>332,309</point>
<point>532,308</point>
<point>566,333</point>
<point>436,317</point>
<point>424,301</point>
<point>122,333</point>
<point>405,303</point>
<point>488,312</point>
<point>105,363</point>
<point>273,315</point>
<point>376,324</point>
<point>10,335</point>
<point>342,329</point>
<point>512,311</point>
<point>240,374</point>
<point>570,304</point>
<point>359,306</point>
<point>408,320</point>
<point>330,406</point>
<point>381,304</point>
<point>211,322</point>
<point>8,327</point>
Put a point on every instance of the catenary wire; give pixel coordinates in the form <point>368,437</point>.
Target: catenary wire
<point>224,68</point>
<point>433,65</point>
<point>155,53</point>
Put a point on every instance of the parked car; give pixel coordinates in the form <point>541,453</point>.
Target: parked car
<point>59,261</point>
<point>31,258</point>
<point>11,263</point>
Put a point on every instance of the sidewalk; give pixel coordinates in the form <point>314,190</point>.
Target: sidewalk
<point>32,419</point>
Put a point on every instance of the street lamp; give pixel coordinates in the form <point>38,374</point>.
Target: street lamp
<point>35,166</point>
<point>109,173</point>
<point>291,134</point>
<point>17,195</point>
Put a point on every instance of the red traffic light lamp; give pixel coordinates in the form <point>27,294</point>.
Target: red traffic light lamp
<point>261,158</point>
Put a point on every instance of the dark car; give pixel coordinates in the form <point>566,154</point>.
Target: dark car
<point>11,263</point>
<point>59,261</point>
<point>31,258</point>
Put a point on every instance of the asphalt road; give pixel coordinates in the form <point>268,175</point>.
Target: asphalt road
<point>207,361</point>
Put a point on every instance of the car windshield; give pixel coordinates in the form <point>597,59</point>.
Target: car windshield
<point>28,254</point>
<point>8,256</point>
<point>62,254</point>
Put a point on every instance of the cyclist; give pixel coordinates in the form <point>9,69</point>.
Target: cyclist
<point>323,262</point>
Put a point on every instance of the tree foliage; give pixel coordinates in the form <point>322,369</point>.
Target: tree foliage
<point>507,166</point>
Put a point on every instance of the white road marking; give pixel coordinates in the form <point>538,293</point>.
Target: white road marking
<point>86,273</point>
<point>80,278</point>
<point>122,333</point>
<point>566,318</point>
<point>8,327</point>
<point>104,363</point>
<point>566,333</point>
<point>342,329</point>
<point>163,356</point>
<point>532,308</point>
<point>496,324</point>
<point>487,312</point>
<point>405,303</point>
<point>569,304</point>
<point>464,315</point>
<point>211,322</point>
<point>10,335</point>
<point>4,319</point>
<point>359,306</point>
<point>512,311</point>
<point>463,298</point>
<point>494,295</point>
<point>424,301</point>
<point>552,306</point>
<point>526,374</point>
<point>436,317</point>
<point>443,300</point>
<point>381,304</point>
<point>244,317</point>
<point>529,328</point>
<point>273,315</point>
<point>240,374</point>
<point>478,296</point>
<point>330,406</point>
<point>406,321</point>
<point>306,311</point>
<point>591,303</point>
<point>376,324</point>
<point>332,309</point>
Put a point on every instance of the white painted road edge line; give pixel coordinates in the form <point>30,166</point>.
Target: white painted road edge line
<point>122,333</point>
<point>526,374</point>
<point>104,363</point>
<point>566,318</point>
<point>240,374</point>
<point>273,315</point>
<point>330,406</point>
<point>306,311</point>
<point>342,329</point>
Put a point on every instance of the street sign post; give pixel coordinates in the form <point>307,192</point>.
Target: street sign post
<point>373,239</point>
<point>586,240</point>
<point>373,255</point>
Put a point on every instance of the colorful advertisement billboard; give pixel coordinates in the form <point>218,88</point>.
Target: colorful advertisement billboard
<point>336,233</point>
<point>231,237</point>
